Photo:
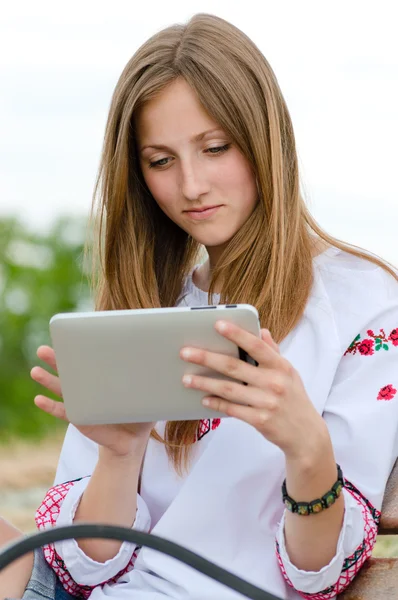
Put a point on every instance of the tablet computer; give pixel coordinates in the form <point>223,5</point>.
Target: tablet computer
<point>123,366</point>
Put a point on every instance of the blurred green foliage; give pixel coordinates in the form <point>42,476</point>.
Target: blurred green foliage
<point>41,274</point>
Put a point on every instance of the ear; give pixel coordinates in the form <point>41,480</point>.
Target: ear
<point>267,338</point>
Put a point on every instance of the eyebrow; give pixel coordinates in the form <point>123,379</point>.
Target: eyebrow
<point>195,138</point>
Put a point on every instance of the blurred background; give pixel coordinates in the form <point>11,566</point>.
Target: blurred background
<point>337,65</point>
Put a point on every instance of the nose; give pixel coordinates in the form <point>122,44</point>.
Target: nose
<point>193,181</point>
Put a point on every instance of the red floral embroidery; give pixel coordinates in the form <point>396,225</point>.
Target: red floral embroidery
<point>393,337</point>
<point>387,392</point>
<point>215,423</point>
<point>368,346</point>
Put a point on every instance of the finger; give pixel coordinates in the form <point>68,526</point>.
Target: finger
<point>226,365</point>
<point>56,409</point>
<point>253,416</point>
<point>262,352</point>
<point>229,390</point>
<point>267,337</point>
<point>268,397</point>
<point>49,381</point>
<point>47,354</point>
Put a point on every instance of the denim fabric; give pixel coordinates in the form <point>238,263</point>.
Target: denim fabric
<point>43,583</point>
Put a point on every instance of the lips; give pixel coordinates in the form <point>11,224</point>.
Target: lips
<point>203,213</point>
<point>200,210</point>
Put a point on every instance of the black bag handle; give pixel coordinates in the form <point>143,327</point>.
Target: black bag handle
<point>123,534</point>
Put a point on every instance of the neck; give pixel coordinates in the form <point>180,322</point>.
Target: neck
<point>214,254</point>
<point>202,275</point>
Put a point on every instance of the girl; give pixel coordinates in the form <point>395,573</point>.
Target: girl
<point>199,152</point>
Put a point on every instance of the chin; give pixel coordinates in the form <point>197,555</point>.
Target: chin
<point>212,241</point>
<point>210,235</point>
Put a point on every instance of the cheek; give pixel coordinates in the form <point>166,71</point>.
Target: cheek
<point>161,188</point>
<point>238,178</point>
<point>250,191</point>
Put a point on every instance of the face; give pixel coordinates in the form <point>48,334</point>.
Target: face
<point>195,173</point>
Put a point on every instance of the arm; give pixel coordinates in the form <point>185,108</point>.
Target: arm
<point>114,481</point>
<point>327,549</point>
<point>111,498</point>
<point>14,578</point>
<point>276,403</point>
<point>362,418</point>
<point>78,571</point>
<point>110,494</point>
<point>311,542</point>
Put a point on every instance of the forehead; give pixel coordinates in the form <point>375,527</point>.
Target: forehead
<point>174,114</point>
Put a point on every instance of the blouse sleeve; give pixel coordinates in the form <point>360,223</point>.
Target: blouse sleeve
<point>78,573</point>
<point>362,417</point>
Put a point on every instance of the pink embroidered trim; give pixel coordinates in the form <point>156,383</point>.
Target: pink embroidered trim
<point>387,392</point>
<point>352,564</point>
<point>205,426</point>
<point>46,516</point>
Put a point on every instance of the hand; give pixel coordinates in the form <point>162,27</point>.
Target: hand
<point>118,439</point>
<point>274,401</point>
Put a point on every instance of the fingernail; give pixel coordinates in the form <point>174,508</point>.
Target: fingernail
<point>187,380</point>
<point>185,353</point>
<point>221,325</point>
<point>206,402</point>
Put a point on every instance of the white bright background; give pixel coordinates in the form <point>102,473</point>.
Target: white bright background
<point>337,65</point>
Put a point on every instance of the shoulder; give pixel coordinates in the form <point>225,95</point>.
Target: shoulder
<point>360,293</point>
<point>352,279</point>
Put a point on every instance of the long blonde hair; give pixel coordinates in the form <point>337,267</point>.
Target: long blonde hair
<point>142,256</point>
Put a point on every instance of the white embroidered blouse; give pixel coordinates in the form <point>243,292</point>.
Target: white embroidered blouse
<point>228,508</point>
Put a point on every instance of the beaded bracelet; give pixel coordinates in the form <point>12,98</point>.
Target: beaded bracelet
<point>316,506</point>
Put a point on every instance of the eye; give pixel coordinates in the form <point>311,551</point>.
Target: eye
<point>218,149</point>
<point>158,163</point>
<point>163,162</point>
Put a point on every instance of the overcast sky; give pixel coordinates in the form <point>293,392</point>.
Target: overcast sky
<point>337,65</point>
